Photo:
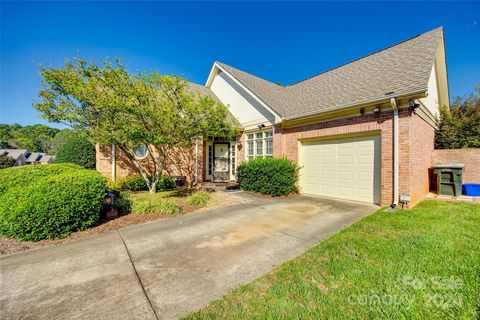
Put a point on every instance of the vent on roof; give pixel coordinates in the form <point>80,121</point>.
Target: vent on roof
<point>389,93</point>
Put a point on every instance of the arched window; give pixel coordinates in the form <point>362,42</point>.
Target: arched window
<point>140,151</point>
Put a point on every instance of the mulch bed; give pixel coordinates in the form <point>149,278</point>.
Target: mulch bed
<point>9,246</point>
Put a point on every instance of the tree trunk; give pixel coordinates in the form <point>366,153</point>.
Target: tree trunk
<point>153,187</point>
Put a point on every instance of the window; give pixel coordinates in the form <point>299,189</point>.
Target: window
<point>260,144</point>
<point>140,152</point>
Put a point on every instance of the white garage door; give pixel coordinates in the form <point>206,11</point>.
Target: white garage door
<point>342,168</point>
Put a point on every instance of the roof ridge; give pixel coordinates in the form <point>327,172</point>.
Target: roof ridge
<point>363,57</point>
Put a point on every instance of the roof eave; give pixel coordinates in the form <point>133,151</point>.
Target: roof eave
<point>414,94</point>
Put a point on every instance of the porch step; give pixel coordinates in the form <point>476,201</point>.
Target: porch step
<point>214,186</point>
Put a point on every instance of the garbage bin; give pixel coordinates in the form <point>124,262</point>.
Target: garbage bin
<point>449,178</point>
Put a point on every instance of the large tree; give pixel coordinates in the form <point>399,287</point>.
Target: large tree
<point>129,110</point>
<point>459,126</point>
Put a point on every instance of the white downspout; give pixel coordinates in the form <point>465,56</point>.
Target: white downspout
<point>196,163</point>
<point>114,164</point>
<point>393,102</point>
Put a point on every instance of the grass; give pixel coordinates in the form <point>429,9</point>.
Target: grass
<point>154,203</point>
<point>422,263</point>
<point>199,198</point>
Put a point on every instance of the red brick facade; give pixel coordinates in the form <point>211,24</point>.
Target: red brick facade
<point>469,157</point>
<point>416,145</point>
<point>416,153</point>
<point>181,163</point>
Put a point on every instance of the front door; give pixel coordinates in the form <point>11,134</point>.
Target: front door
<point>221,163</point>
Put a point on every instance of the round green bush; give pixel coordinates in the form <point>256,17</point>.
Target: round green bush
<point>166,183</point>
<point>132,183</point>
<point>272,176</point>
<point>49,201</point>
<point>78,150</point>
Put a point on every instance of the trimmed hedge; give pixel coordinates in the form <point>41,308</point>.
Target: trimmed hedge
<point>272,176</point>
<point>49,201</point>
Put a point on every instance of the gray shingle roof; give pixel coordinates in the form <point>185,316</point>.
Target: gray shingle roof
<point>403,68</point>
<point>13,153</point>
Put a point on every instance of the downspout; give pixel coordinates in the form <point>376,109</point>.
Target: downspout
<point>114,164</point>
<point>393,103</point>
<point>195,182</point>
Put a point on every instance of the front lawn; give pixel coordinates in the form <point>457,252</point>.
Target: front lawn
<point>418,264</point>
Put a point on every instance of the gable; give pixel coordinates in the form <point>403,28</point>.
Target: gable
<point>402,70</point>
<point>242,104</point>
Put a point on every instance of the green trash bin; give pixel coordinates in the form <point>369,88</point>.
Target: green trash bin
<point>449,178</point>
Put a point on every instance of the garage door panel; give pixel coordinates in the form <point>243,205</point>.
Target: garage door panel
<point>343,168</point>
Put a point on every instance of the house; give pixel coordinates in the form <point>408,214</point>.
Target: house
<point>39,158</point>
<point>17,154</point>
<point>362,131</point>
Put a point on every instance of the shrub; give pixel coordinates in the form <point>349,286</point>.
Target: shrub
<point>198,198</point>
<point>132,183</point>
<point>275,177</point>
<point>78,150</point>
<point>51,201</point>
<point>166,183</point>
<point>136,183</point>
<point>151,203</point>
<point>122,205</point>
<point>6,162</point>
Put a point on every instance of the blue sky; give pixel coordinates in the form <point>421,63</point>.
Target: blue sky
<point>281,42</point>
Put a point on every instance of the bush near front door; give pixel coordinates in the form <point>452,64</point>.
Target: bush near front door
<point>272,176</point>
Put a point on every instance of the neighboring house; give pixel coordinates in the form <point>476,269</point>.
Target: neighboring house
<point>363,131</point>
<point>17,154</point>
<point>39,158</point>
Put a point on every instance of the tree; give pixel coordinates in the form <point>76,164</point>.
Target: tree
<point>59,140</point>
<point>459,127</point>
<point>144,109</point>
<point>6,162</point>
<point>78,150</point>
<point>35,138</point>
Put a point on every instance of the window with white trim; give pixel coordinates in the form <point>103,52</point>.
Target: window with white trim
<point>260,144</point>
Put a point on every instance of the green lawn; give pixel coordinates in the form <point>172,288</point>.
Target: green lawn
<point>418,264</point>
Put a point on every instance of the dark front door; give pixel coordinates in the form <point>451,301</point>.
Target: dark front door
<point>221,161</point>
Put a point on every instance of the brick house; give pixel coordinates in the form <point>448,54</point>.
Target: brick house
<point>363,131</point>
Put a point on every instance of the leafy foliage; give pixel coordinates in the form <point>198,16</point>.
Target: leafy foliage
<point>6,162</point>
<point>137,183</point>
<point>460,126</point>
<point>123,205</point>
<point>166,183</point>
<point>44,202</point>
<point>132,183</point>
<point>199,198</point>
<point>36,138</point>
<point>115,107</point>
<point>154,203</point>
<point>272,176</point>
<point>78,150</point>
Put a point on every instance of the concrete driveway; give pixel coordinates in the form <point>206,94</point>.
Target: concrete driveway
<point>168,268</point>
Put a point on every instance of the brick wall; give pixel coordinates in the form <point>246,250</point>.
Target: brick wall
<point>420,148</point>
<point>415,146</point>
<point>469,157</point>
<point>286,141</point>
<point>181,163</point>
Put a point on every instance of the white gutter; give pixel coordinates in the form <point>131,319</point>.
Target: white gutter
<point>196,162</point>
<point>393,102</point>
<point>114,164</point>
<point>421,93</point>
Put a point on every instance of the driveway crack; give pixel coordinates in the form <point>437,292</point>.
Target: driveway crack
<point>138,276</point>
